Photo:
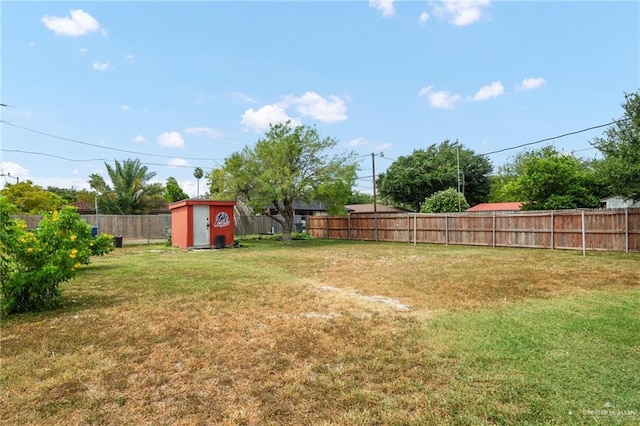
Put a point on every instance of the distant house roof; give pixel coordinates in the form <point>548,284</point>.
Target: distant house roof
<point>84,207</point>
<point>368,208</point>
<point>305,208</point>
<point>495,207</point>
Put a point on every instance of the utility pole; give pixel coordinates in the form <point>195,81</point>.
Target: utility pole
<point>375,197</point>
<point>373,167</point>
<point>13,177</point>
<point>458,161</point>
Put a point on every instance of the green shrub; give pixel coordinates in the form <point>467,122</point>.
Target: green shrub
<point>34,263</point>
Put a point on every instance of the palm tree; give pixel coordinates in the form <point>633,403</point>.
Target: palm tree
<point>198,173</point>
<point>130,191</point>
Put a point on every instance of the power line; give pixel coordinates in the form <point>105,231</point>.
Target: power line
<point>89,159</point>
<point>556,137</point>
<point>103,147</point>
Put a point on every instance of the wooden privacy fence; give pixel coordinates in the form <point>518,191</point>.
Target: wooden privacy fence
<point>130,227</point>
<point>607,230</point>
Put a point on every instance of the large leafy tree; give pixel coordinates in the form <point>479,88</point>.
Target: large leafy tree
<point>288,164</point>
<point>30,198</point>
<point>546,179</point>
<point>71,195</point>
<point>411,179</point>
<point>620,147</point>
<point>173,192</point>
<point>130,191</point>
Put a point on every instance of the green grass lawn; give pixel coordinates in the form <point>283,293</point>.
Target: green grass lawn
<point>332,332</point>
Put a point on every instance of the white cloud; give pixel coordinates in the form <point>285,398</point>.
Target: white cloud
<point>131,57</point>
<point>75,172</point>
<point>139,138</point>
<point>206,132</point>
<point>424,17</point>
<point>32,44</point>
<point>15,170</point>
<point>171,139</point>
<point>385,146</point>
<point>313,105</point>
<point>83,50</point>
<point>354,143</point>
<point>489,91</point>
<point>102,66</point>
<point>125,107</point>
<point>531,83</point>
<point>363,143</point>
<point>241,97</point>
<point>76,24</point>
<point>177,162</point>
<point>386,6</point>
<point>441,99</point>
<point>260,119</point>
<point>461,12</point>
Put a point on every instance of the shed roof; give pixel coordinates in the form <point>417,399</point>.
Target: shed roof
<point>494,207</point>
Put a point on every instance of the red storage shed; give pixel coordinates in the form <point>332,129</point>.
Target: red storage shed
<point>202,223</point>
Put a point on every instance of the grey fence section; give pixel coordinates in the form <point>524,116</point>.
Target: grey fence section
<point>134,227</point>
<point>606,230</point>
<point>156,227</point>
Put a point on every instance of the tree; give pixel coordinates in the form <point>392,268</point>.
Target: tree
<point>546,179</point>
<point>358,197</point>
<point>447,201</point>
<point>410,179</point>
<point>198,174</point>
<point>173,192</point>
<point>620,146</point>
<point>30,198</point>
<point>72,195</point>
<point>287,165</point>
<point>130,191</point>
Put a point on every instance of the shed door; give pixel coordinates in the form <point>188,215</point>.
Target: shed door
<point>201,234</point>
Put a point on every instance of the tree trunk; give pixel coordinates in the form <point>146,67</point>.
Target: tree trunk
<point>287,226</point>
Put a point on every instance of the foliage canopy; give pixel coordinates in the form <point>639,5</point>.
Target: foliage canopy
<point>620,147</point>
<point>30,198</point>
<point>289,164</point>
<point>130,191</point>
<point>411,179</point>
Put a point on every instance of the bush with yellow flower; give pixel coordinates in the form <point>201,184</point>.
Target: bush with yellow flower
<point>34,263</point>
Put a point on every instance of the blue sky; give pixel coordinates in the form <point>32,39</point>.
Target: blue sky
<point>186,84</point>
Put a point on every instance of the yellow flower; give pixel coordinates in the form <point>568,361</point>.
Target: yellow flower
<point>91,244</point>
<point>29,250</point>
<point>72,238</point>
<point>73,253</point>
<point>77,265</point>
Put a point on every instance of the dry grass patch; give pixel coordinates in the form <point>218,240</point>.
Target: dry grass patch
<point>314,333</point>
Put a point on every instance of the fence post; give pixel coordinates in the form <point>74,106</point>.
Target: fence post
<point>446,229</point>
<point>148,229</point>
<point>349,226</point>
<point>584,236</point>
<point>326,219</point>
<point>552,226</point>
<point>494,229</point>
<point>375,219</point>
<point>415,229</point>
<point>626,229</point>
